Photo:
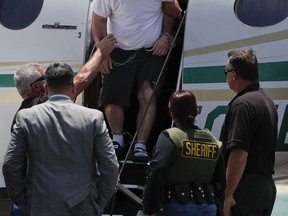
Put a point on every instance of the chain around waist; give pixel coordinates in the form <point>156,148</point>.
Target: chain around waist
<point>129,54</point>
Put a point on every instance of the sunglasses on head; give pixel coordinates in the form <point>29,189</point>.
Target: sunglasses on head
<point>37,80</point>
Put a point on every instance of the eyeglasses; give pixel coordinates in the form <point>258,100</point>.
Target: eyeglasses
<point>37,80</point>
<point>228,70</point>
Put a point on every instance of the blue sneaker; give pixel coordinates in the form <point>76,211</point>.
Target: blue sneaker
<point>118,149</point>
<point>139,155</point>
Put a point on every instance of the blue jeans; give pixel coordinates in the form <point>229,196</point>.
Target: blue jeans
<point>174,208</point>
<point>15,210</point>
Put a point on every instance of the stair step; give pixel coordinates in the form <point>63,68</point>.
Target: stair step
<point>133,173</point>
<point>129,193</point>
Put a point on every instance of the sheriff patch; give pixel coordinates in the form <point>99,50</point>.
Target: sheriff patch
<point>200,150</point>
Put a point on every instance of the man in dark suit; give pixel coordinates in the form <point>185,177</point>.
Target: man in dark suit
<point>28,80</point>
<point>72,168</point>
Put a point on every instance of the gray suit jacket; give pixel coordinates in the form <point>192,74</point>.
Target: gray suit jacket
<point>72,168</point>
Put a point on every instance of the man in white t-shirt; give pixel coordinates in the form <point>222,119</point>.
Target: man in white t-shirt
<point>143,34</point>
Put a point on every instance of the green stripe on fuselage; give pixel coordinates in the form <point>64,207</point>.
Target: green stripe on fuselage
<point>7,80</point>
<point>276,71</point>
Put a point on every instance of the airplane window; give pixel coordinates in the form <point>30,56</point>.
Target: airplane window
<point>260,13</point>
<point>15,14</point>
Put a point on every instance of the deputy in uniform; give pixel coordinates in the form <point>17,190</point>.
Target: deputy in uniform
<point>186,175</point>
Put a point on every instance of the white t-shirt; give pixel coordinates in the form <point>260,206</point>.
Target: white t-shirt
<point>134,23</point>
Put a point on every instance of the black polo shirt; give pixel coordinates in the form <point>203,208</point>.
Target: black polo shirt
<point>251,124</point>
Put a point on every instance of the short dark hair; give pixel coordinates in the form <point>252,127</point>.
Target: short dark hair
<point>183,105</point>
<point>59,75</point>
<point>245,64</point>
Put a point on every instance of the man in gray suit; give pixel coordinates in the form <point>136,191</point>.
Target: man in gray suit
<point>72,166</point>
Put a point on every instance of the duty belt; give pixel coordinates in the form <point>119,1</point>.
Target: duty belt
<point>197,192</point>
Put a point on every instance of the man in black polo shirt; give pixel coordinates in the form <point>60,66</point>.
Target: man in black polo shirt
<point>249,133</point>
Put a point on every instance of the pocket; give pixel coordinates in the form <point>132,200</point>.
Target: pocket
<point>81,205</point>
<point>182,193</point>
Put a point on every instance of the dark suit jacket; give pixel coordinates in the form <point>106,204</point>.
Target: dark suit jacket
<point>29,103</point>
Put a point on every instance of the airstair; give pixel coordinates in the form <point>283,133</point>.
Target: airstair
<point>128,194</point>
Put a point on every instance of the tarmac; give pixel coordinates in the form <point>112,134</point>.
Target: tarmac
<point>280,206</point>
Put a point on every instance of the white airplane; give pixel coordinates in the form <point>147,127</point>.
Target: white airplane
<point>43,32</point>
<point>213,28</point>
<point>60,31</point>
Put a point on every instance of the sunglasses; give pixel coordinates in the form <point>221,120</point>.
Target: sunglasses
<point>37,80</point>
<point>228,70</point>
